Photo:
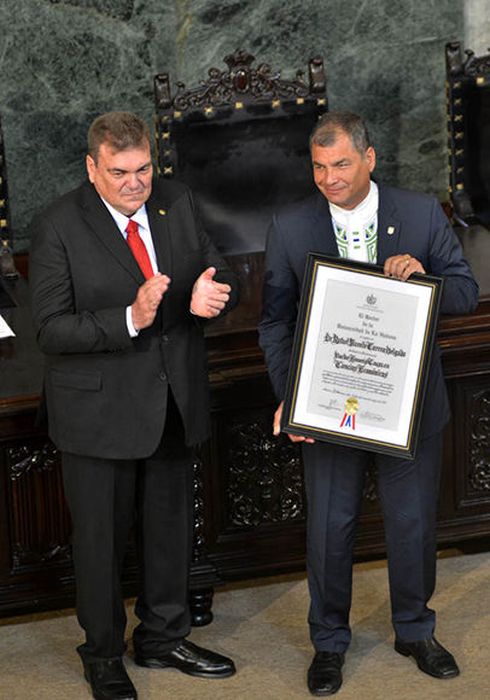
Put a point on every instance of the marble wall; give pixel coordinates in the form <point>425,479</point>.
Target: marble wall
<point>477,25</point>
<point>62,62</point>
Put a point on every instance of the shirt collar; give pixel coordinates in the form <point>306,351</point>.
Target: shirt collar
<point>140,216</point>
<point>365,209</point>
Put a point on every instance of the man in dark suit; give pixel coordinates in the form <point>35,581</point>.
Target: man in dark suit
<point>122,278</point>
<point>406,232</point>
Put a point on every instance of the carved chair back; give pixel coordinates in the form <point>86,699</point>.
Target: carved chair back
<point>468,113</point>
<point>240,141</point>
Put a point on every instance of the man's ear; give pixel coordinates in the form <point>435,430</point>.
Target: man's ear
<point>90,165</point>
<point>371,158</point>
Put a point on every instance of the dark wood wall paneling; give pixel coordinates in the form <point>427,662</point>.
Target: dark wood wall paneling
<point>249,499</point>
<point>250,507</point>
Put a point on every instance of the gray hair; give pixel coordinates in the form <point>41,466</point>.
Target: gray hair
<point>121,130</point>
<point>330,124</point>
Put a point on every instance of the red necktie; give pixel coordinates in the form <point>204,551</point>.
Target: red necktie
<point>138,249</point>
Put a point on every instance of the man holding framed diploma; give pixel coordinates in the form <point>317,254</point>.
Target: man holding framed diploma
<point>353,362</point>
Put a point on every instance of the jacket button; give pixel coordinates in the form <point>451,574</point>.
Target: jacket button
<point>165,338</point>
<point>162,376</point>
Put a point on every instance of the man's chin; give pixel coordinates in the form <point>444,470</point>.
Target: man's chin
<point>129,208</point>
<point>336,197</point>
<point>134,203</point>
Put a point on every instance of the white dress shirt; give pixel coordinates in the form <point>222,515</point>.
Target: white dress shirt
<point>356,229</point>
<point>141,218</point>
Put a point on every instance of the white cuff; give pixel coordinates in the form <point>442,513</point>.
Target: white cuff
<point>133,333</point>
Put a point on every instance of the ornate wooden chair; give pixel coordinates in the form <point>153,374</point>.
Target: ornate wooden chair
<point>468,110</point>
<point>7,267</point>
<point>239,139</point>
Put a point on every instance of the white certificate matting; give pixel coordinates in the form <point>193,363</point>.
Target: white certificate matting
<point>360,352</point>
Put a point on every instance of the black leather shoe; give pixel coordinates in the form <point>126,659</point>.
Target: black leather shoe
<point>190,659</point>
<point>109,680</point>
<point>324,674</point>
<point>430,656</point>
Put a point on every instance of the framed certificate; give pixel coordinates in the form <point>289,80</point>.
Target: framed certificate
<point>361,354</point>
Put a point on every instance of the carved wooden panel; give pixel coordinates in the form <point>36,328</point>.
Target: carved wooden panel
<point>479,444</point>
<point>240,81</point>
<point>471,428</point>
<point>198,549</point>
<point>264,474</point>
<point>39,519</point>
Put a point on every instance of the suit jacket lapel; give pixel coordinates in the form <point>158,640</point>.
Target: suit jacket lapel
<point>98,217</point>
<point>322,233</point>
<point>157,210</point>
<point>389,227</point>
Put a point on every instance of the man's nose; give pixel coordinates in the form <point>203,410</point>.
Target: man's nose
<point>132,181</point>
<point>329,177</point>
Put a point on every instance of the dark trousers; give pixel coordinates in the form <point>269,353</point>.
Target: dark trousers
<point>334,480</point>
<point>105,498</point>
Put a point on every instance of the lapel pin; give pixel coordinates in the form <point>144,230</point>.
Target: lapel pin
<point>162,212</point>
<point>390,230</point>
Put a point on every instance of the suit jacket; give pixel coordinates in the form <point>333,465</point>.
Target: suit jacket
<point>106,392</point>
<point>418,226</point>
